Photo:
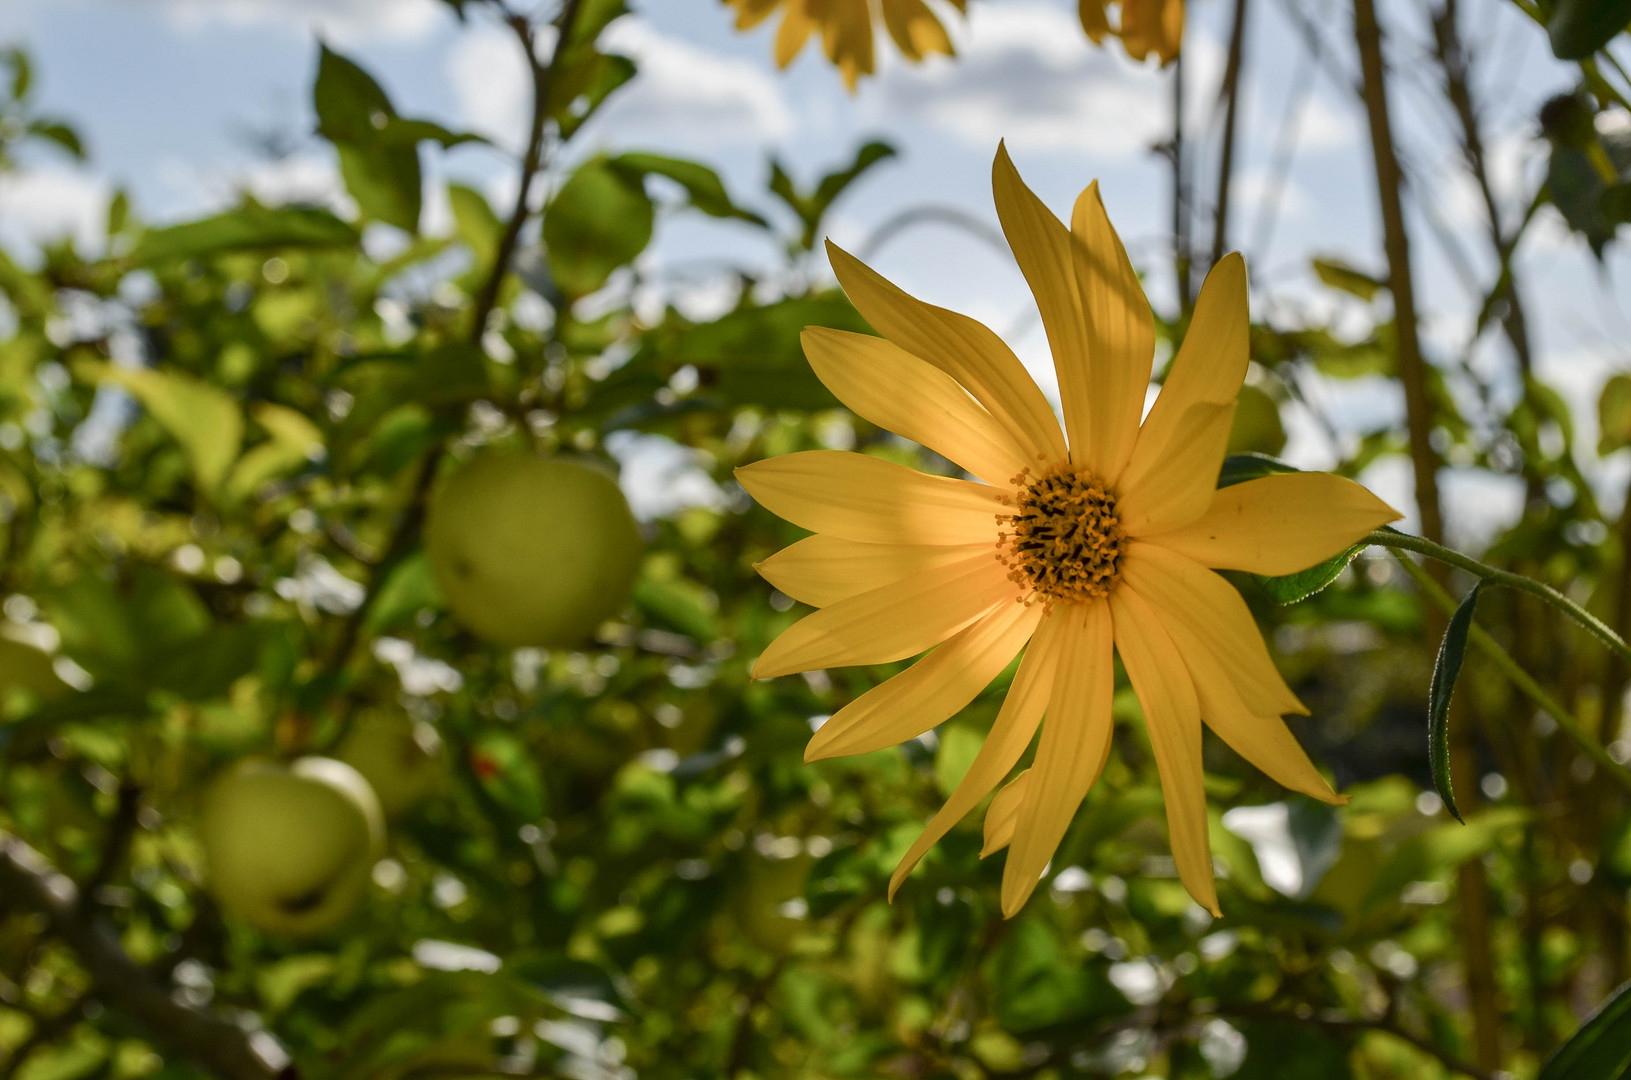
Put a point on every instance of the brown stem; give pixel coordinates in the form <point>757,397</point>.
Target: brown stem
<point>1226,164</point>
<point>1472,884</point>
<point>27,879</point>
<point>1180,192</point>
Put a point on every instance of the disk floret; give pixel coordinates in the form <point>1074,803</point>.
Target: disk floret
<point>1063,541</point>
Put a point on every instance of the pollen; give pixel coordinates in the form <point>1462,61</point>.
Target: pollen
<point>1063,540</point>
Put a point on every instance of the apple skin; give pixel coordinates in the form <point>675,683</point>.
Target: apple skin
<point>290,848</point>
<point>530,550</point>
<point>400,758</point>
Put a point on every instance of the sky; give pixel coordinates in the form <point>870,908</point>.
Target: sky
<point>179,100</point>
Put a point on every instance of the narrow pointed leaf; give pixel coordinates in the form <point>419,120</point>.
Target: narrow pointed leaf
<point>1601,1049</point>
<point>1445,670</point>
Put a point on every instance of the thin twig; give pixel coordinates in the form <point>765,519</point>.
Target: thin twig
<point>1521,679</point>
<point>27,879</point>
<point>1226,164</point>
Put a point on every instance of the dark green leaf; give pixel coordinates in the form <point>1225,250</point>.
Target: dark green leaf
<point>1238,468</point>
<point>61,134</point>
<point>1615,204</point>
<point>246,229</point>
<point>1445,671</point>
<point>1579,28</point>
<point>384,179</point>
<point>585,78</point>
<point>22,72</point>
<point>1601,1049</point>
<point>812,207</point>
<point>1339,275</point>
<point>1614,416</point>
<point>703,186</point>
<point>599,220</point>
<point>351,106</point>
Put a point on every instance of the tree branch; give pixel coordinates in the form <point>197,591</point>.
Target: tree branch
<point>26,878</point>
<point>1226,164</point>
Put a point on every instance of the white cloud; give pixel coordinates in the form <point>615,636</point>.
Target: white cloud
<point>1320,125</point>
<point>1026,72</point>
<point>309,177</point>
<point>41,206</point>
<point>342,20</point>
<point>684,97</point>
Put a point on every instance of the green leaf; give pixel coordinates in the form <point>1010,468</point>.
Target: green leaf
<point>248,228</point>
<point>204,419</point>
<point>380,169</point>
<point>812,207</point>
<point>1239,468</point>
<point>1345,278</point>
<point>475,224</point>
<point>600,220</point>
<point>1614,416</point>
<point>585,78</point>
<point>350,105</point>
<point>703,186</point>
<point>409,588</point>
<point>1257,427</point>
<point>57,132</point>
<point>1445,671</point>
<point>1579,28</point>
<point>1601,1049</point>
<point>294,442</point>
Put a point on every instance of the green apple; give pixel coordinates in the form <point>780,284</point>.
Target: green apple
<point>399,757</point>
<point>290,848</point>
<point>530,550</point>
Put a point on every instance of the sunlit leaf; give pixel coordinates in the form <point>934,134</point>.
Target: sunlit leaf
<point>250,227</point>
<point>599,220</point>
<point>203,418</point>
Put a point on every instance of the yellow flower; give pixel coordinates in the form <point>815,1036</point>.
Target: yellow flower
<point>846,29</point>
<point>1146,26</point>
<point>1104,546</point>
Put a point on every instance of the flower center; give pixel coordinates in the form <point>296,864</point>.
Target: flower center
<point>1063,540</point>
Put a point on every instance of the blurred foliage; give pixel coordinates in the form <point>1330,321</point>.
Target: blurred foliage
<point>216,438</point>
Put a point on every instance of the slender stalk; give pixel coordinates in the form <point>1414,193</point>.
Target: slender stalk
<point>1525,683</point>
<point>1472,885</point>
<point>1390,538</point>
<point>28,880</point>
<point>1226,165</point>
<point>1180,193</point>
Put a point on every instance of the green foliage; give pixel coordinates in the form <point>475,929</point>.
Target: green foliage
<point>1446,669</point>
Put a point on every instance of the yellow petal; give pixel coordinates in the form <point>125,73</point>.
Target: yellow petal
<point>1160,492</point>
<point>929,692</point>
<point>1152,26</point>
<point>961,347</point>
<point>846,33</point>
<point>1279,524</point>
<point>1095,19</point>
<point>892,623</point>
<point>1265,741</point>
<point>876,502</point>
<point>1182,589</point>
<point>1172,714</point>
<point>892,388</point>
<point>1120,336</point>
<point>916,31</point>
<point>822,570</point>
<point>1208,370</point>
<point>1003,814</point>
<point>1071,755</point>
<point>750,13</point>
<point>1042,246</point>
<point>795,30</point>
<point>1010,734</point>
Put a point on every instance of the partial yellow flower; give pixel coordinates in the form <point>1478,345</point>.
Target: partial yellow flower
<point>846,29</point>
<point>1146,26</point>
<point>1070,552</point>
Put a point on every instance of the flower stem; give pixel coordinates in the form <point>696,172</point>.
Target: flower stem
<point>1390,538</point>
<point>1520,678</point>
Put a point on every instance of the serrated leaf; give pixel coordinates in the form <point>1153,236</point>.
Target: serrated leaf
<point>1446,669</point>
<point>1601,1049</point>
<point>600,220</point>
<point>248,228</point>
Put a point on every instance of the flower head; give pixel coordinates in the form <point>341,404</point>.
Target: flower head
<point>846,29</point>
<point>1070,551</point>
<point>1146,26</point>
